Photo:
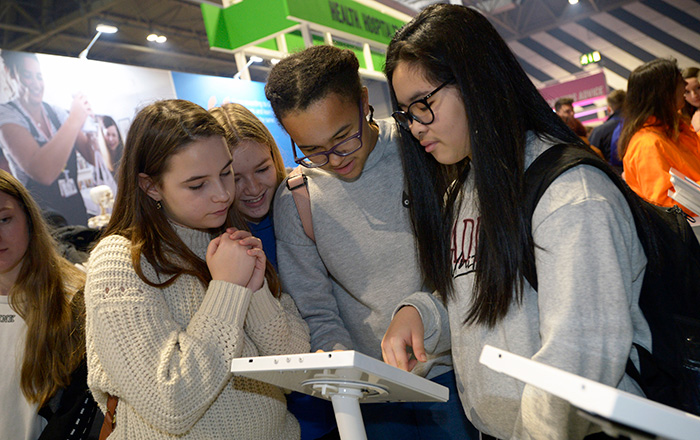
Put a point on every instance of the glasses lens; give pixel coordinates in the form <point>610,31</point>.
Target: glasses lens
<point>402,119</point>
<point>313,161</point>
<point>421,112</point>
<point>348,147</point>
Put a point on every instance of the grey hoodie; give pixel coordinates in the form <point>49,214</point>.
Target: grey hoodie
<point>583,318</point>
<point>364,261</point>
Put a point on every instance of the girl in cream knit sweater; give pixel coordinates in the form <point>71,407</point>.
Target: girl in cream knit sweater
<point>174,292</point>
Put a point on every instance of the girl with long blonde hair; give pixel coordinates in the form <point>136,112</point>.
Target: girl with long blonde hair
<point>41,321</point>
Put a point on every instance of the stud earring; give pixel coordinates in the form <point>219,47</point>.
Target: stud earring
<point>158,204</point>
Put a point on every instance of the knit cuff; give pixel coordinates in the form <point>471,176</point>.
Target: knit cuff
<point>226,301</point>
<point>263,307</point>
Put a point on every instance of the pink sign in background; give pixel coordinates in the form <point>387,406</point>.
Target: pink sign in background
<point>586,89</point>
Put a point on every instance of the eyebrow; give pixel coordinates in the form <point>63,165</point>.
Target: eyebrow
<point>417,96</point>
<point>193,178</point>
<point>262,162</point>
<point>336,134</point>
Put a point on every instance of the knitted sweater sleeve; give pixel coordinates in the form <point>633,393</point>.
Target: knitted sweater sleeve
<point>168,373</point>
<point>275,326</point>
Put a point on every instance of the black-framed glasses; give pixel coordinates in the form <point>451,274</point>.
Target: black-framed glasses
<point>419,110</point>
<point>343,148</point>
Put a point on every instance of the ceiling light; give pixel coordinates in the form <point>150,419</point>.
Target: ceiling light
<point>154,37</point>
<point>573,2</point>
<point>106,29</point>
<point>101,29</point>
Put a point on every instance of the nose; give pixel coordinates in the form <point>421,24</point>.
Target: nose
<point>222,193</point>
<point>417,129</point>
<point>334,159</point>
<point>253,187</point>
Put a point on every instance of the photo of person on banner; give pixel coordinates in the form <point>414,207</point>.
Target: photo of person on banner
<point>114,145</point>
<point>39,140</point>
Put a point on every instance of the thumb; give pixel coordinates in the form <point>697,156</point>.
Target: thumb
<point>418,346</point>
<point>212,247</point>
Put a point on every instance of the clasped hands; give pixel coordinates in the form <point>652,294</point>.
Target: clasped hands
<point>237,257</point>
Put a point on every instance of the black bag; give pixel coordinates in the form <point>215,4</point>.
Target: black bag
<point>76,413</point>
<point>670,295</point>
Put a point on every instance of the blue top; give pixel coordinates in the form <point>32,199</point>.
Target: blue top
<point>265,231</point>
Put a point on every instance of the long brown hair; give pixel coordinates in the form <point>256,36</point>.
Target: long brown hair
<point>159,131</point>
<point>240,124</point>
<point>651,91</point>
<point>45,296</point>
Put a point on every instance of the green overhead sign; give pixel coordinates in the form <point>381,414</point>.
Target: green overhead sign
<point>252,21</point>
<point>347,16</point>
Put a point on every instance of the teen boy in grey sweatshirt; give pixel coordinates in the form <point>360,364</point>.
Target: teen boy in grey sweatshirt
<point>363,261</point>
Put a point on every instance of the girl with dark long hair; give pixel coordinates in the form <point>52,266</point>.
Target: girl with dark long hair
<point>471,123</point>
<point>177,288</point>
<point>113,142</point>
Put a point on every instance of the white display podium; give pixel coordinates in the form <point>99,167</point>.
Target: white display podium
<point>618,412</point>
<point>346,378</point>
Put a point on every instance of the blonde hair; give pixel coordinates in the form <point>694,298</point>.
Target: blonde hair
<point>240,124</point>
<point>44,296</point>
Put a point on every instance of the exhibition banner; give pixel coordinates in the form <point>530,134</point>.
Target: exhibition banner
<point>38,93</point>
<point>213,91</point>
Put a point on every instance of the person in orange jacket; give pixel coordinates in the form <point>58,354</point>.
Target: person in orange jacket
<point>655,137</point>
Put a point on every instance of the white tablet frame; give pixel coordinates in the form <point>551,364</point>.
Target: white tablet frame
<point>618,409</point>
<point>344,377</point>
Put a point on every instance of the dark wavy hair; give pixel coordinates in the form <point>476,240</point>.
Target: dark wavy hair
<point>115,156</point>
<point>305,77</point>
<point>159,131</point>
<point>651,91</point>
<point>449,42</point>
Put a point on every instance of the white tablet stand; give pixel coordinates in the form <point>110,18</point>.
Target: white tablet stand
<point>618,412</point>
<point>346,378</point>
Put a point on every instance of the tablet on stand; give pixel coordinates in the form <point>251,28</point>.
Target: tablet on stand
<point>618,412</point>
<point>346,378</point>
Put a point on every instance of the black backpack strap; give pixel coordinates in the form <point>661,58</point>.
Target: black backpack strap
<point>543,171</point>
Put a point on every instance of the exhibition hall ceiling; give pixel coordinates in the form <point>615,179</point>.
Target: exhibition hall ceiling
<point>548,36</point>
